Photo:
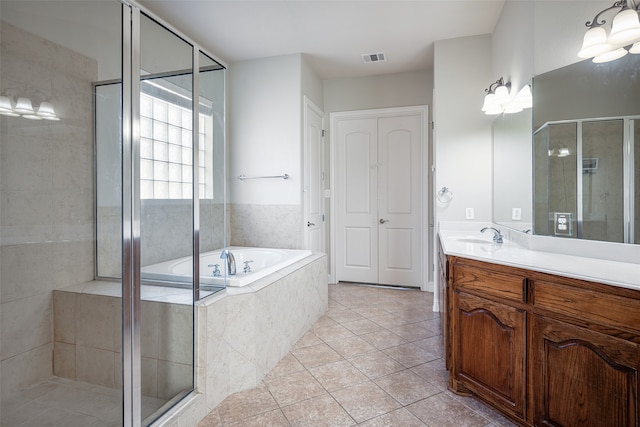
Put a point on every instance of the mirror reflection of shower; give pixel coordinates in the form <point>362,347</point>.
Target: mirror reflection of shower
<point>584,171</point>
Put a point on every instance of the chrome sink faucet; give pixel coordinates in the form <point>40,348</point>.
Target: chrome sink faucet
<point>231,261</point>
<point>497,236</point>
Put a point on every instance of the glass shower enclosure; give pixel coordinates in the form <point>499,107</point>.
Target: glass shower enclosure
<point>117,166</point>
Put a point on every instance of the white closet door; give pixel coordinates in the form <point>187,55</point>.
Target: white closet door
<point>356,205</point>
<point>400,200</point>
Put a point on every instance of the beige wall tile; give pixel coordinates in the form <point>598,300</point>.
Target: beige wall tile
<point>64,360</point>
<point>175,333</point>
<point>26,324</point>
<point>64,317</point>
<point>26,270</point>
<point>25,369</point>
<point>96,322</point>
<point>173,378</point>
<point>95,366</point>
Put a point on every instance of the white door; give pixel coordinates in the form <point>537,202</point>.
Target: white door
<point>400,200</point>
<point>313,178</point>
<point>357,202</point>
<point>379,181</point>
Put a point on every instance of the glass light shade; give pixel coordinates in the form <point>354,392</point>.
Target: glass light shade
<point>524,97</point>
<point>494,110</point>
<point>489,101</point>
<point>610,56</point>
<point>54,118</point>
<point>625,27</point>
<point>5,104</point>
<point>31,117</point>
<point>23,106</point>
<point>9,113</point>
<point>513,107</point>
<point>594,43</point>
<point>502,93</point>
<point>46,110</point>
<point>635,48</point>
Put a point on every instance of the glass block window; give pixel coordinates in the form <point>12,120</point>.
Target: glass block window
<point>166,146</point>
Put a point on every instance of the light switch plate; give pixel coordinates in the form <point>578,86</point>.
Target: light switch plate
<point>469,213</point>
<point>516,214</point>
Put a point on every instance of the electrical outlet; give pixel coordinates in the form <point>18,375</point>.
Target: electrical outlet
<point>516,214</point>
<point>469,213</point>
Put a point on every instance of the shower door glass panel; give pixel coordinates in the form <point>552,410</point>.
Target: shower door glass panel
<point>602,181</point>
<point>166,218</point>
<point>61,344</point>
<point>211,157</point>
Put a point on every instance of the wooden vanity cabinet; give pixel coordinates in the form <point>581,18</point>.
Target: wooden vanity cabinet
<point>488,328</point>
<point>584,353</point>
<point>544,350</point>
<point>582,378</point>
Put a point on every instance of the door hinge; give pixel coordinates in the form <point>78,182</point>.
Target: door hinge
<point>324,132</point>
<point>322,217</point>
<point>433,125</point>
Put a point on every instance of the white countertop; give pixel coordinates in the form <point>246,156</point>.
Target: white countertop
<point>479,246</point>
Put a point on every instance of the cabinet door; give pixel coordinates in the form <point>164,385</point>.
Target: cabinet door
<point>488,352</point>
<point>581,377</point>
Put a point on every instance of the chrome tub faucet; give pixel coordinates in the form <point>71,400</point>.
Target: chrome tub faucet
<point>231,261</point>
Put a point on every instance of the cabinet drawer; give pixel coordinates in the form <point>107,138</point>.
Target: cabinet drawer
<point>490,282</point>
<point>593,305</point>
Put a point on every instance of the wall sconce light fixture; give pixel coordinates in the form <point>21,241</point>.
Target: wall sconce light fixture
<point>24,108</point>
<point>625,31</point>
<point>498,99</point>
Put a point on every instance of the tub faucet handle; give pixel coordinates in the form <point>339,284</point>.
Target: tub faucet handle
<point>247,269</point>
<point>216,270</point>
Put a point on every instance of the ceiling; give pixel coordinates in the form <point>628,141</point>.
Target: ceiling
<point>332,33</point>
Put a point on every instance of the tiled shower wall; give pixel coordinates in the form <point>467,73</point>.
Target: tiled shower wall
<point>46,191</point>
<point>266,226</point>
<point>166,233</point>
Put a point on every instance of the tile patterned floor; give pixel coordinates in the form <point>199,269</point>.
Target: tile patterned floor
<point>374,359</point>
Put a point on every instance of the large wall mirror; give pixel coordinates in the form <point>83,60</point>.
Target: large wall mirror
<point>512,201</point>
<point>585,161</point>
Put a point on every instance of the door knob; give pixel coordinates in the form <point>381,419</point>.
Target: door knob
<point>383,221</point>
<point>310,224</point>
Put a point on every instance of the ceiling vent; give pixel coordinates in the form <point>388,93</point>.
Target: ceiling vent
<point>369,58</point>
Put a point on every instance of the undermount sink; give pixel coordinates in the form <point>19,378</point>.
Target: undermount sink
<point>470,240</point>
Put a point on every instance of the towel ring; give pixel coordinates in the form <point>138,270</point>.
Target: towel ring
<point>445,195</point>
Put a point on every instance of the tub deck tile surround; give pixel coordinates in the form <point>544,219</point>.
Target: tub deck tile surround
<point>343,380</point>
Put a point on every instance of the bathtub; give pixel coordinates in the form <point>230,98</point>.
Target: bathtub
<point>261,261</point>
